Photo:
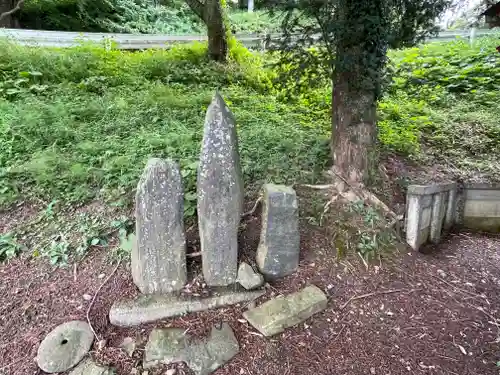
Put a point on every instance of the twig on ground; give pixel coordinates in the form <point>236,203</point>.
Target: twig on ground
<point>14,362</point>
<point>318,187</point>
<point>376,294</point>
<point>13,10</point>
<point>363,260</point>
<point>193,255</point>
<point>340,332</point>
<point>253,208</point>
<point>494,321</point>
<point>462,290</point>
<point>95,296</point>
<point>74,271</point>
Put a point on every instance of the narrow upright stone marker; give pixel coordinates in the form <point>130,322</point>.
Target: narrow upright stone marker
<point>159,254</point>
<point>220,195</point>
<point>279,247</point>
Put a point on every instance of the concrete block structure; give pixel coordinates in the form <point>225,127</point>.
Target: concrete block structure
<point>430,210</point>
<point>481,208</point>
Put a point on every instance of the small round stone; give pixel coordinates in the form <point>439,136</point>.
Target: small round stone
<point>64,346</point>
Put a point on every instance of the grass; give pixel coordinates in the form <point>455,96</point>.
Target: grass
<point>88,135</point>
<point>77,126</point>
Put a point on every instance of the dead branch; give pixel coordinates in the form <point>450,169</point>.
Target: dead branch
<point>462,290</point>
<point>340,332</point>
<point>13,10</point>
<point>193,255</point>
<point>95,296</point>
<point>376,294</point>
<point>317,187</point>
<point>253,208</point>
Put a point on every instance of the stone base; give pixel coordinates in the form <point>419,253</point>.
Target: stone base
<point>275,315</point>
<point>171,345</point>
<point>146,309</point>
<point>484,224</point>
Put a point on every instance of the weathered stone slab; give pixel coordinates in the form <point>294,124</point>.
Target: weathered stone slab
<point>248,278</point>
<point>159,255</point>
<point>279,247</point>
<point>220,195</point>
<point>64,346</point>
<point>88,367</point>
<point>166,346</point>
<point>451,209</point>
<point>146,309</point>
<point>275,315</point>
<point>438,214</point>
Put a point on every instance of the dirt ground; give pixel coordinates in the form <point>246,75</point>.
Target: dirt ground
<point>434,313</point>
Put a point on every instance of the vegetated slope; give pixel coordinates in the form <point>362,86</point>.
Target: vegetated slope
<point>443,108</point>
<point>78,124</point>
<point>173,17</point>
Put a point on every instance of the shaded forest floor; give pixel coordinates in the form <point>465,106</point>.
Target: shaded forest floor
<point>415,313</point>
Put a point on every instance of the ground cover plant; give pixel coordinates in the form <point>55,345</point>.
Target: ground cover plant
<point>77,125</point>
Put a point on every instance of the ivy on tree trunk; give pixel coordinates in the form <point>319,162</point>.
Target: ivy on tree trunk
<point>350,40</point>
<point>360,57</point>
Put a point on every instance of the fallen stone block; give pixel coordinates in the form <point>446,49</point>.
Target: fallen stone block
<point>279,246</point>
<point>170,345</point>
<point>248,278</point>
<point>220,195</point>
<point>146,309</point>
<point>275,315</point>
<point>158,259</point>
<point>88,367</point>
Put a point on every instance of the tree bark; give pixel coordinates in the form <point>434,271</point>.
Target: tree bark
<point>211,14</point>
<point>8,20</point>
<point>354,129</point>
<point>360,56</point>
<point>216,30</point>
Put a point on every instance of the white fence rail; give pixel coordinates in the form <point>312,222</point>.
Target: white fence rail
<point>145,41</point>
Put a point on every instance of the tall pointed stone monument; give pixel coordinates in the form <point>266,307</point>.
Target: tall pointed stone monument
<point>220,195</point>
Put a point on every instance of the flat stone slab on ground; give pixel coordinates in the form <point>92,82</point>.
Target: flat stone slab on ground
<point>64,346</point>
<point>158,259</point>
<point>88,367</point>
<point>166,346</point>
<point>248,278</point>
<point>277,314</point>
<point>146,309</point>
<point>220,195</point>
<point>279,246</point>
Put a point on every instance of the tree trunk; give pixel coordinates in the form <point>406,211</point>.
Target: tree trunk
<point>9,20</point>
<point>211,14</point>
<point>217,36</point>
<point>359,61</point>
<point>354,129</point>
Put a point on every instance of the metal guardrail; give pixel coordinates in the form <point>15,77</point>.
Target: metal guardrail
<point>145,41</point>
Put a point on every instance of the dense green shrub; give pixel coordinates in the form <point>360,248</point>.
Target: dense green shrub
<point>90,65</point>
<point>130,16</point>
<point>455,69</point>
<point>446,98</point>
<point>79,123</point>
